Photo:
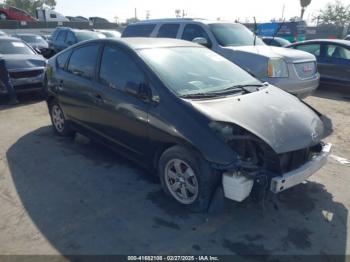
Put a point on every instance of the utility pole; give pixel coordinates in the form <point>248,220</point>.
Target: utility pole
<point>283,8</point>
<point>135,14</point>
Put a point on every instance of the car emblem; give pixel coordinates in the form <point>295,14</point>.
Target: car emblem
<point>307,68</point>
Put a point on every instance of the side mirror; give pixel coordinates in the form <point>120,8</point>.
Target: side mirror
<point>201,40</point>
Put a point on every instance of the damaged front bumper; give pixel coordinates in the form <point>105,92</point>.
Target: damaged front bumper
<point>238,187</point>
<point>295,177</point>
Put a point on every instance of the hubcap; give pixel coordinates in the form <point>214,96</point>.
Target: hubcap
<point>181,181</point>
<point>57,118</point>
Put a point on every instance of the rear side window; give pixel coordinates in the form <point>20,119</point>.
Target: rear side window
<point>138,30</point>
<point>337,52</point>
<point>83,61</point>
<point>62,59</point>
<point>314,49</point>
<point>168,30</point>
<point>61,36</point>
<point>118,68</point>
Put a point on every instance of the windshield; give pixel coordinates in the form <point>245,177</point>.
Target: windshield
<point>83,36</point>
<point>195,70</point>
<point>10,47</point>
<point>33,39</point>
<point>234,35</point>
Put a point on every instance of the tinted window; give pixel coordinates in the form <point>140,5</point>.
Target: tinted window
<point>338,52</point>
<point>61,36</point>
<point>83,61</point>
<point>234,35</point>
<point>9,47</point>
<point>53,16</point>
<point>168,30</point>
<point>117,68</point>
<point>70,38</point>
<point>62,59</point>
<point>314,49</point>
<point>138,30</point>
<point>192,31</point>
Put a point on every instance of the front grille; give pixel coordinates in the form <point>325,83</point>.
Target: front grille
<point>26,74</point>
<point>306,69</point>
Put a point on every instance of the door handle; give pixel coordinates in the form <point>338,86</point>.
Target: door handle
<point>98,99</point>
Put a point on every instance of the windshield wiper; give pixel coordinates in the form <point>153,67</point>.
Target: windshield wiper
<point>199,95</point>
<point>240,88</point>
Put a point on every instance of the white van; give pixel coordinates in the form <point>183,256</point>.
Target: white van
<point>49,15</point>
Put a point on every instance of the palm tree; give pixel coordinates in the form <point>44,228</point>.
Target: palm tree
<point>304,4</point>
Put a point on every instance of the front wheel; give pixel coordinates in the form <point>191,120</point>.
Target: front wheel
<point>59,123</point>
<point>187,178</point>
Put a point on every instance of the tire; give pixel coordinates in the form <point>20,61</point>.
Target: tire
<point>59,123</point>
<point>180,168</point>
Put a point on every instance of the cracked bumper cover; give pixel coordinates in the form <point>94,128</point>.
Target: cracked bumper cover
<point>295,177</point>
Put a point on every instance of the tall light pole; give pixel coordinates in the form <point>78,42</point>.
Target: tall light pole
<point>304,4</point>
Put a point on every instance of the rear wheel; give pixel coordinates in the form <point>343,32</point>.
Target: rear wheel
<point>59,123</point>
<point>187,178</point>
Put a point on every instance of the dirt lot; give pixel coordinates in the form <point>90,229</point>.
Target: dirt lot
<point>59,196</point>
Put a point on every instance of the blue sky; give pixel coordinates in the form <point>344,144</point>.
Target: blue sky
<point>225,9</point>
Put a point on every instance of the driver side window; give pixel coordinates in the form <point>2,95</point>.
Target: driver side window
<point>192,31</point>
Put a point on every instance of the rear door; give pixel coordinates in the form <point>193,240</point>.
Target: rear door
<point>121,117</point>
<point>336,63</point>
<point>76,84</point>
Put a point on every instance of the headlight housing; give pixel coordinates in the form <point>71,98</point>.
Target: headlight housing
<point>222,129</point>
<point>277,67</point>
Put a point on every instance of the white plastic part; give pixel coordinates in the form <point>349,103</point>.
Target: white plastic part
<point>236,186</point>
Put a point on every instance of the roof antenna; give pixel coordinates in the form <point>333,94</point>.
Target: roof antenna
<point>255,29</point>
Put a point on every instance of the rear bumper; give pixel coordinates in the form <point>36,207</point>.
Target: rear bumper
<point>295,177</point>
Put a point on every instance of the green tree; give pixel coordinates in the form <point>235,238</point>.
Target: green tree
<point>334,13</point>
<point>30,5</point>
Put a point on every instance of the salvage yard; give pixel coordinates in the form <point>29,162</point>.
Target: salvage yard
<point>64,197</point>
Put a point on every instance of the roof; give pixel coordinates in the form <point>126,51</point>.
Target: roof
<point>330,41</point>
<point>178,20</point>
<point>137,43</point>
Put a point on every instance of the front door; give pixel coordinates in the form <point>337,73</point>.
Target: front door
<point>119,116</point>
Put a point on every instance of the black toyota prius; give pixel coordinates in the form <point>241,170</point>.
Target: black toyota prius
<point>194,118</point>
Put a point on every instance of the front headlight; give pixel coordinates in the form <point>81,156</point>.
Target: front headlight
<point>222,129</point>
<point>277,67</point>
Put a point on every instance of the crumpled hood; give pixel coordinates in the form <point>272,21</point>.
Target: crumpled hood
<point>15,62</point>
<point>278,118</point>
<point>290,55</point>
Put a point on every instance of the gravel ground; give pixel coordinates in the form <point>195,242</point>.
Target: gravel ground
<point>63,196</point>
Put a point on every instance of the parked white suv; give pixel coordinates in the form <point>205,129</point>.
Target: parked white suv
<point>291,70</point>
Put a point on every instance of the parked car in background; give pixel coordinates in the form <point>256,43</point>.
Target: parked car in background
<point>49,15</point>
<point>124,93</point>
<point>25,66</point>
<point>333,59</point>
<point>37,42</point>
<point>110,33</point>
<point>97,19</point>
<point>279,66</point>
<point>13,13</point>
<point>64,37</point>
<point>275,41</point>
<point>77,19</point>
